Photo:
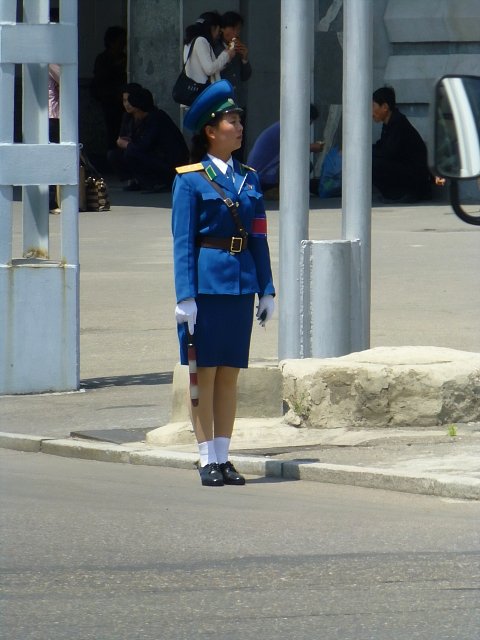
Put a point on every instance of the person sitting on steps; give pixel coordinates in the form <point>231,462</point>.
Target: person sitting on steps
<point>149,147</point>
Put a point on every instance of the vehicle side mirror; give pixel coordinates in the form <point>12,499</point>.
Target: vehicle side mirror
<point>456,139</point>
<point>457,127</point>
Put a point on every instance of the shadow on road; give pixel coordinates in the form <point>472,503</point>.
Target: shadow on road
<point>165,377</point>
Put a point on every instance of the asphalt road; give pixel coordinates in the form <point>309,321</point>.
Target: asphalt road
<point>95,551</point>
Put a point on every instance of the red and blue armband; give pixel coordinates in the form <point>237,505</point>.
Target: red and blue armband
<point>259,228</point>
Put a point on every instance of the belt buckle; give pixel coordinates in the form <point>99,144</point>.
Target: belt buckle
<point>236,244</point>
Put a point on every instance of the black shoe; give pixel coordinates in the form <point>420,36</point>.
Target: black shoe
<point>210,475</point>
<point>230,474</point>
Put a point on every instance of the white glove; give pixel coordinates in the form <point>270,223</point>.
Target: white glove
<point>186,311</point>
<point>266,305</point>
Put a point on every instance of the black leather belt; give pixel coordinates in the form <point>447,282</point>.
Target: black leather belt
<point>235,244</point>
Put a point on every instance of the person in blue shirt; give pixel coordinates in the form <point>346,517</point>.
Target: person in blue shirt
<point>221,261</point>
<point>264,156</point>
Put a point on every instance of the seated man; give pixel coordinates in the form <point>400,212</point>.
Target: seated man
<point>399,158</point>
<point>149,146</point>
<point>265,154</point>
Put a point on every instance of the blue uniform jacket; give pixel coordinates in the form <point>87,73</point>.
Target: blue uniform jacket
<point>199,210</point>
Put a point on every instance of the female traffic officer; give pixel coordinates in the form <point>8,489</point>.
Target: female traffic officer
<point>221,260</point>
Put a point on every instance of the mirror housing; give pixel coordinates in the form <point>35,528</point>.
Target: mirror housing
<point>456,125</point>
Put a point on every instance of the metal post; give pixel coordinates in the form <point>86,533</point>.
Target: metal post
<point>357,151</point>
<point>39,298</point>
<point>7,87</point>
<point>35,130</point>
<point>69,133</point>
<point>297,24</point>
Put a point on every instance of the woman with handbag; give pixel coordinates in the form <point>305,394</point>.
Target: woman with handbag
<point>201,64</point>
<point>221,260</point>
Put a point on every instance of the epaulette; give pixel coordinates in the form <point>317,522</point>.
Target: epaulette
<point>186,168</point>
<point>245,166</point>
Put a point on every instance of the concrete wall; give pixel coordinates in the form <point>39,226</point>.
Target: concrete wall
<point>156,40</point>
<point>94,17</point>
<point>429,39</point>
<point>262,35</point>
<point>414,43</point>
<point>156,30</point>
<point>155,27</point>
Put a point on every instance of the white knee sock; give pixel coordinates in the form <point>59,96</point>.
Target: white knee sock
<point>222,445</point>
<point>207,452</point>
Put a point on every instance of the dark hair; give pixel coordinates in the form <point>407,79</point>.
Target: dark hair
<point>199,145</point>
<point>141,99</point>
<point>112,35</point>
<point>231,19</point>
<point>385,95</point>
<point>131,86</point>
<point>202,27</point>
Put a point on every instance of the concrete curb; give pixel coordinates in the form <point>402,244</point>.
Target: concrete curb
<point>386,479</point>
<point>459,487</point>
<point>100,451</point>
<point>21,442</point>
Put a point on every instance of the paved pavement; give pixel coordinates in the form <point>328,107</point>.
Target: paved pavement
<point>425,265</point>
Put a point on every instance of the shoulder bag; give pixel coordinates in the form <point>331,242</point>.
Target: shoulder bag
<point>93,190</point>
<point>185,90</point>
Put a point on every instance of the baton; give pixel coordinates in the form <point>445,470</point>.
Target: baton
<point>192,368</point>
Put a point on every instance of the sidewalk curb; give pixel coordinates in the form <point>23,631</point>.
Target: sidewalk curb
<point>441,485</point>
<point>21,442</point>
<point>386,479</point>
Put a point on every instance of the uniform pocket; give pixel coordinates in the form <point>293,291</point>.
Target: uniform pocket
<point>252,193</point>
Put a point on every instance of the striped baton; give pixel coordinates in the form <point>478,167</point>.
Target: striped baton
<point>192,368</point>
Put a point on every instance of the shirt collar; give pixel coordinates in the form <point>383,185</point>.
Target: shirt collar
<point>220,164</point>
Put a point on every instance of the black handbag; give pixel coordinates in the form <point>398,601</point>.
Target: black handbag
<point>185,90</point>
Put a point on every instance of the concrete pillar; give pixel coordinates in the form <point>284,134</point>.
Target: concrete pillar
<point>155,37</point>
<point>329,292</point>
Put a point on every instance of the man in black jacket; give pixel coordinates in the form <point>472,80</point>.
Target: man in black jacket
<point>399,158</point>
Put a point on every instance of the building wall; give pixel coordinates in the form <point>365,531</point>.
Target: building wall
<point>94,17</point>
<point>262,35</point>
<point>156,42</point>
<point>427,40</point>
<point>415,42</point>
<point>155,27</point>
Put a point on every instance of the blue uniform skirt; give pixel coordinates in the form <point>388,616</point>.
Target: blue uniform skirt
<point>222,332</point>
